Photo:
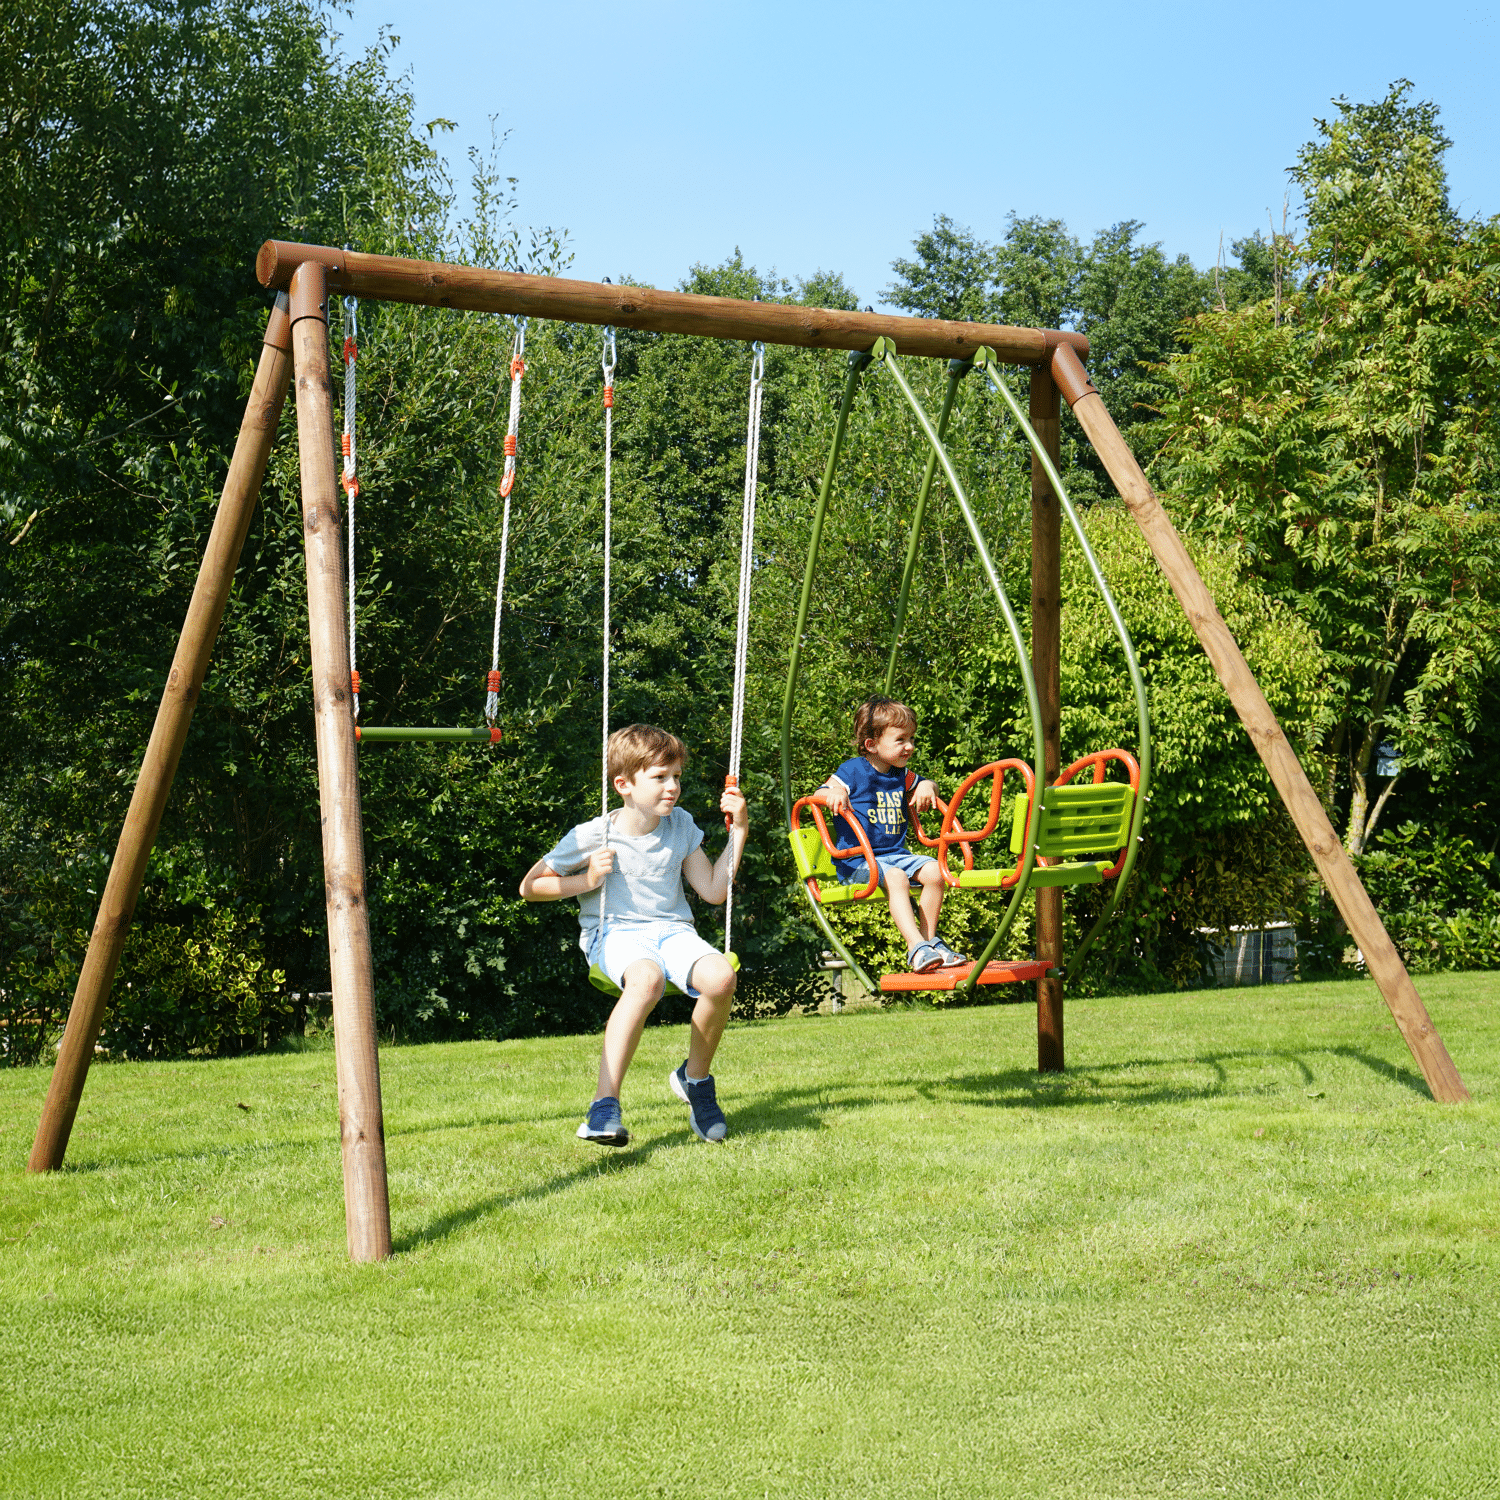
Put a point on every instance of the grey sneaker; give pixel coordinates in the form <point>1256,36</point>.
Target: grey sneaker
<point>704,1114</point>
<point>952,959</point>
<point>604,1127</point>
<point>924,957</point>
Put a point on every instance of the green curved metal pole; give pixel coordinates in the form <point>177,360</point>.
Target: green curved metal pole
<point>957,369</point>
<point>986,358</point>
<point>884,352</point>
<point>858,363</point>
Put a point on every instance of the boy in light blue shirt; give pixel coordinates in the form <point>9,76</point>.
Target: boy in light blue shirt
<point>627,871</point>
<point>879,788</point>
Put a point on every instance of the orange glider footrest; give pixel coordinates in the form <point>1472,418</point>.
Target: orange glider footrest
<point>994,972</point>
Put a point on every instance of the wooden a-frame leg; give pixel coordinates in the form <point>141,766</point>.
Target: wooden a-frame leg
<point>174,716</point>
<point>1046,667</point>
<point>1290,780</point>
<point>351,963</point>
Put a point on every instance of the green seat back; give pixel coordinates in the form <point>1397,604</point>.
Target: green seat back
<point>1076,820</point>
<point>813,861</point>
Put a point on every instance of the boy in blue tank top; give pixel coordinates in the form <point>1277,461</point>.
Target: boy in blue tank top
<point>877,786</point>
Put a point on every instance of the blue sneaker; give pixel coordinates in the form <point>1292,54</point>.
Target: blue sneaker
<point>924,958</point>
<point>704,1114</point>
<point>604,1127</point>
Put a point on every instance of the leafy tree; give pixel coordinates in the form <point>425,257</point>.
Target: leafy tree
<point>1342,439</point>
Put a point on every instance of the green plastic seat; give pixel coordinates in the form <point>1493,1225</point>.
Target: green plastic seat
<point>815,863</point>
<point>1074,820</point>
<point>601,981</point>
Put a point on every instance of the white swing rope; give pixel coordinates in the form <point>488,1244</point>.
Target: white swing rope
<point>507,484</point>
<point>742,619</point>
<point>350,477</point>
<point>607,364</point>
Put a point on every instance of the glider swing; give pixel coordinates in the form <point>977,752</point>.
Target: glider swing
<point>297,341</point>
<point>349,479</point>
<point>597,977</point>
<point>1074,833</point>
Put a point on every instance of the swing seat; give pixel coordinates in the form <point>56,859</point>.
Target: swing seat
<point>601,981</point>
<point>1074,820</point>
<point>997,971</point>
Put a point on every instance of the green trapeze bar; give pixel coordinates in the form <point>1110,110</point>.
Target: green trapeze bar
<point>459,736</point>
<point>957,369</point>
<point>986,357</point>
<point>884,353</point>
<point>857,365</point>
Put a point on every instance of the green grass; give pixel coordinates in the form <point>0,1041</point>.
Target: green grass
<point>1234,1251</point>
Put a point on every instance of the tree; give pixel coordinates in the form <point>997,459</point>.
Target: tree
<point>1342,437</point>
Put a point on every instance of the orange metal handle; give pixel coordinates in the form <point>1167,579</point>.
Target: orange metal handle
<point>921,833</point>
<point>818,802</point>
<point>952,834</point>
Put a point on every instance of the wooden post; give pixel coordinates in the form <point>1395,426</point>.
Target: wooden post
<point>1328,853</point>
<point>351,965</point>
<point>1046,654</point>
<point>174,716</point>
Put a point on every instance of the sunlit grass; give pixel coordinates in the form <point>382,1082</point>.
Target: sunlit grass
<point>1234,1250</point>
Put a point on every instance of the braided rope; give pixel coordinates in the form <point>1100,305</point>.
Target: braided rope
<point>350,477</point>
<point>742,617</point>
<point>607,364</point>
<point>507,484</point>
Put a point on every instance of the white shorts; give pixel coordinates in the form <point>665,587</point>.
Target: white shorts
<point>673,947</point>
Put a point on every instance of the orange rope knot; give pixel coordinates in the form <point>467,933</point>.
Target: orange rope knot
<point>351,351</point>
<point>492,683</point>
<point>510,445</point>
<point>517,368</point>
<point>354,681</point>
<point>609,395</point>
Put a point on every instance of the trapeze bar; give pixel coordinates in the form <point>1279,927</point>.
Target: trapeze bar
<point>390,278</point>
<point>459,736</point>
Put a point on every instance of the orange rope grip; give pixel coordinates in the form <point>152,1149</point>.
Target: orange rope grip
<point>492,683</point>
<point>510,445</point>
<point>351,351</point>
<point>517,368</point>
<point>609,395</point>
<point>354,681</point>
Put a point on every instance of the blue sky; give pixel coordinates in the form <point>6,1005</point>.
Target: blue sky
<point>826,136</point>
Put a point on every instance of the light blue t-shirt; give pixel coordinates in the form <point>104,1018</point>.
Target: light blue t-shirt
<point>646,882</point>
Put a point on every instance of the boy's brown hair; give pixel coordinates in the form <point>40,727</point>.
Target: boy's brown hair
<point>875,716</point>
<point>637,746</point>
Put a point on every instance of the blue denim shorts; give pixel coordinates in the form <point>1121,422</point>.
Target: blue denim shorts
<point>856,871</point>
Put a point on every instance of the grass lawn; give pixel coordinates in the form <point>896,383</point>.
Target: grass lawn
<point>1235,1250</point>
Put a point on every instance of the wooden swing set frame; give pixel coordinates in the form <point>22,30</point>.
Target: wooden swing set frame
<point>296,344</point>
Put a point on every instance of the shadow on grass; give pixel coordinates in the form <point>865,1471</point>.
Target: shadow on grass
<point>1107,1084</point>
<point>617,1160</point>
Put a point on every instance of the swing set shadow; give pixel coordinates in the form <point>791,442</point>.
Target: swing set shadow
<point>304,277</point>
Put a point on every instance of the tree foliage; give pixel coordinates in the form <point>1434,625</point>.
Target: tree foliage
<point>1342,439</point>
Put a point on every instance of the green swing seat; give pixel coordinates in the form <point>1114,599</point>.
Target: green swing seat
<point>1074,821</point>
<point>601,981</point>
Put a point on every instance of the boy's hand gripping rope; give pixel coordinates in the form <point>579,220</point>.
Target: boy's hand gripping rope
<point>507,484</point>
<point>742,618</point>
<point>350,477</point>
